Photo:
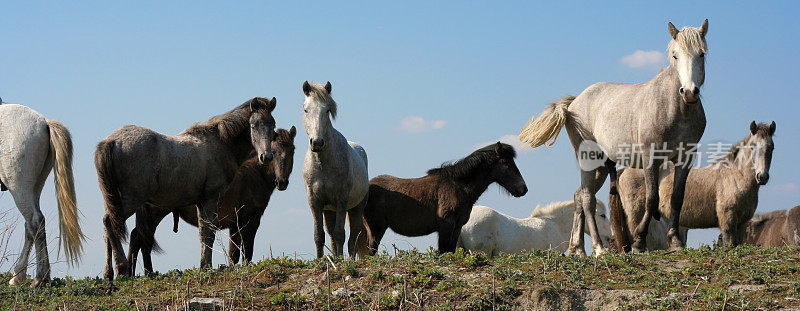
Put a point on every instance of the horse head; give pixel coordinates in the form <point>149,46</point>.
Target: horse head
<point>686,53</point>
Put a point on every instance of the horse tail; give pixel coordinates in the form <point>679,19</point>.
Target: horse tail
<point>104,162</point>
<point>147,239</point>
<point>61,150</point>
<point>546,127</point>
<point>618,219</point>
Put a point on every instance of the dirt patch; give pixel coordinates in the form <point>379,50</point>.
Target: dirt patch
<point>578,299</point>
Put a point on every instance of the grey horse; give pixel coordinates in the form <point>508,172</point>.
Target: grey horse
<point>636,125</point>
<point>335,173</point>
<point>136,165</point>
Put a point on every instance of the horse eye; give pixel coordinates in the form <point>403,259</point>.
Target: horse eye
<point>305,110</point>
<point>674,56</point>
<point>602,215</point>
<point>702,54</point>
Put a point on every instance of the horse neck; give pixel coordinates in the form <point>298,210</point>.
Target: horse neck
<point>666,83</point>
<point>333,152</point>
<point>475,184</point>
<point>742,169</point>
<point>240,147</point>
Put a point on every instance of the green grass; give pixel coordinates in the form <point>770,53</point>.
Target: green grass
<point>705,278</point>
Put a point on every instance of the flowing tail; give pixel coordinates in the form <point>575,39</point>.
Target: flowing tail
<point>61,149</point>
<point>618,218</point>
<point>104,162</point>
<point>546,127</point>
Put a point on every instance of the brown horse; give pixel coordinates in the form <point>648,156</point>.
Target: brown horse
<point>241,207</point>
<point>776,228</point>
<point>440,201</point>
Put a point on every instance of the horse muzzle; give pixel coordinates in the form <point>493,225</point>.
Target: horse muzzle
<point>316,144</point>
<point>281,184</point>
<point>690,95</point>
<point>762,178</point>
<point>520,191</point>
<point>265,157</point>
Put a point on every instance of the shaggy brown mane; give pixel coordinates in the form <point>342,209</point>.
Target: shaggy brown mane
<point>464,167</point>
<point>763,130</point>
<point>231,124</point>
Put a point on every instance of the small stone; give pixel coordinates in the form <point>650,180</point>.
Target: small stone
<point>343,293</point>
<point>205,304</point>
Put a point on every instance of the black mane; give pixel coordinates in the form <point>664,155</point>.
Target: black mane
<point>464,167</point>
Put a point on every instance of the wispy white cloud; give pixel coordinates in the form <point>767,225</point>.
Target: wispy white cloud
<point>784,189</point>
<point>510,139</point>
<point>643,59</point>
<point>417,124</point>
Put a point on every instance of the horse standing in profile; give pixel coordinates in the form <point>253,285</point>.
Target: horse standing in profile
<point>138,166</point>
<point>723,194</point>
<point>441,201</point>
<point>548,228</point>
<point>242,204</point>
<point>661,117</point>
<point>334,171</point>
<point>774,229</point>
<point>31,146</point>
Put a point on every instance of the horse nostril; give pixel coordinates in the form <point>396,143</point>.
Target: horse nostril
<point>680,90</point>
<point>696,91</point>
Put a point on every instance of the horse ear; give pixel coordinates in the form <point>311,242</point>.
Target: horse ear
<point>254,104</point>
<point>306,88</point>
<point>497,147</point>
<point>271,104</point>
<point>292,131</point>
<point>753,128</point>
<point>673,32</point>
<point>772,128</point>
<point>328,87</point>
<point>704,28</point>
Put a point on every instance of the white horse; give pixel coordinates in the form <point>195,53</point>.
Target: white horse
<point>30,146</point>
<point>633,124</point>
<point>335,173</point>
<point>548,228</point>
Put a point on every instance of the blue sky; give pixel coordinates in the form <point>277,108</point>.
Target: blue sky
<point>418,83</point>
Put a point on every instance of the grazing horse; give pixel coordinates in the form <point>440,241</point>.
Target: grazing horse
<point>334,171</point>
<point>777,228</point>
<point>31,146</point>
<point>548,228</point>
<point>136,165</point>
<point>723,194</point>
<point>440,201</point>
<point>633,124</point>
<point>241,207</point>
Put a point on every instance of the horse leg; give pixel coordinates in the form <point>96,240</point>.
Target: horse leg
<point>134,245</point>
<point>24,202</point>
<point>576,238</point>
<point>679,187</point>
<point>355,217</point>
<point>234,245</point>
<point>319,233</point>
<point>154,219</point>
<point>446,234</point>
<point>207,223</point>
<point>591,183</point>
<point>651,206</point>
<point>335,227</point>
<point>248,237</point>
<point>108,273</point>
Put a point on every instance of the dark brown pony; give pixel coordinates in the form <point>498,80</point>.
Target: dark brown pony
<point>241,207</point>
<point>776,228</point>
<point>440,201</point>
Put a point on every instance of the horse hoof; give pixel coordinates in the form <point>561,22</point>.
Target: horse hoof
<point>17,280</point>
<point>38,282</point>
<point>599,252</point>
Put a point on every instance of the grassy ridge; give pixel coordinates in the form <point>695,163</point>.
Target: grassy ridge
<point>730,278</point>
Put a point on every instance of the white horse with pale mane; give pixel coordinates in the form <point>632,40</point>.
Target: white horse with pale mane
<point>31,146</point>
<point>548,228</point>
<point>660,118</point>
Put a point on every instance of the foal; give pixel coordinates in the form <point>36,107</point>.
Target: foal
<point>241,206</point>
<point>724,194</point>
<point>440,201</point>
